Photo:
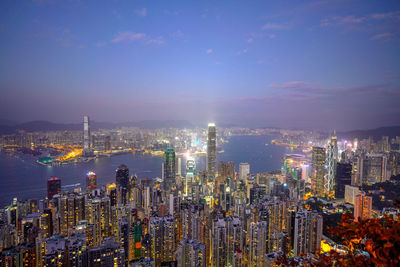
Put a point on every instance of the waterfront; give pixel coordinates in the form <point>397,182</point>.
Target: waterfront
<point>22,177</point>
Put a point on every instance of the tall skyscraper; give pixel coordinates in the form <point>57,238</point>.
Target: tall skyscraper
<point>190,253</point>
<point>226,170</point>
<point>122,181</point>
<point>169,168</point>
<point>257,243</point>
<point>86,133</point>
<point>91,180</point>
<point>211,151</point>
<point>343,178</point>
<point>244,170</point>
<point>332,161</point>
<point>318,170</point>
<point>53,187</point>
<point>190,176</point>
<point>307,232</point>
<point>179,166</point>
<point>162,232</point>
<point>362,207</point>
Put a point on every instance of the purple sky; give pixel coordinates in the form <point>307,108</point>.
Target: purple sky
<point>306,64</point>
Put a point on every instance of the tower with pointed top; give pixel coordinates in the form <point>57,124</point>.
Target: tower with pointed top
<point>332,162</point>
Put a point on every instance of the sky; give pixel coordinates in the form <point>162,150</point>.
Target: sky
<point>292,64</point>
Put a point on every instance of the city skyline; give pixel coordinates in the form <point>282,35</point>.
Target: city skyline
<point>320,65</point>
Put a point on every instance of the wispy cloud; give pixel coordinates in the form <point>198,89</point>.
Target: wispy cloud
<point>388,15</point>
<point>381,36</point>
<point>128,37</point>
<point>158,41</point>
<point>209,51</point>
<point>338,20</point>
<point>275,26</point>
<point>142,12</point>
<point>250,40</point>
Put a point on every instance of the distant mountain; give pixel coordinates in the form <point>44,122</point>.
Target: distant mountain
<point>39,126</point>
<point>377,133</point>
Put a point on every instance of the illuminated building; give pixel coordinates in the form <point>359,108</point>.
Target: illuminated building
<point>362,207</point>
<point>318,170</point>
<point>332,162</point>
<point>350,193</point>
<point>190,253</point>
<point>179,166</point>
<point>190,177</point>
<point>226,170</point>
<point>86,133</point>
<point>53,187</point>
<point>122,181</point>
<point>257,243</point>
<point>107,143</point>
<point>108,253</point>
<point>162,232</point>
<point>219,238</point>
<point>343,178</point>
<point>169,168</point>
<point>235,239</point>
<point>307,232</point>
<point>211,152</point>
<point>375,166</point>
<point>244,170</point>
<point>91,180</point>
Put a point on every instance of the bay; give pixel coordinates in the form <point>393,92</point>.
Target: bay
<point>22,177</point>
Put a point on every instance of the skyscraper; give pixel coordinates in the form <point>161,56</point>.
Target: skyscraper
<point>307,232</point>
<point>362,207</point>
<point>244,170</point>
<point>190,253</point>
<point>226,170</point>
<point>169,168</point>
<point>91,180</point>
<point>332,161</point>
<point>318,170</point>
<point>343,178</point>
<point>189,179</point>
<point>86,133</point>
<point>211,151</point>
<point>122,181</point>
<point>257,243</point>
<point>53,187</point>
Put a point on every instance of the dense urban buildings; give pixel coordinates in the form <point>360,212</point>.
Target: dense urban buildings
<point>189,216</point>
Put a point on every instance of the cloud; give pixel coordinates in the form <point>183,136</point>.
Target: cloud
<point>141,12</point>
<point>209,51</point>
<point>339,20</point>
<point>388,15</point>
<point>158,41</point>
<point>128,37</point>
<point>250,40</point>
<point>292,84</point>
<point>100,44</point>
<point>381,36</point>
<point>274,26</point>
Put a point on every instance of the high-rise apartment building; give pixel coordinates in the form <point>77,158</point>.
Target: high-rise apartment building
<point>257,243</point>
<point>362,207</point>
<point>190,253</point>
<point>307,232</point>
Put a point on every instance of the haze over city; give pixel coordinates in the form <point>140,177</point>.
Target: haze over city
<point>315,64</point>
